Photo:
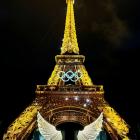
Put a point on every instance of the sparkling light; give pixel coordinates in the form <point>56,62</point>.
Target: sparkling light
<point>87,100</point>
<point>66,98</point>
<point>108,119</point>
<point>76,98</point>
<point>85,105</point>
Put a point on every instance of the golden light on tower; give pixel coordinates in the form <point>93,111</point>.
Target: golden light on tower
<point>70,44</point>
<point>59,101</point>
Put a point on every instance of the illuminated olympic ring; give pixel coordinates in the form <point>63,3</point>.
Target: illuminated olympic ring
<point>70,75</point>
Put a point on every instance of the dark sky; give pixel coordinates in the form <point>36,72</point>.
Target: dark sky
<point>31,33</point>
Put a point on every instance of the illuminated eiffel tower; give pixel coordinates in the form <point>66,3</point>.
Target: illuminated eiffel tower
<point>69,95</point>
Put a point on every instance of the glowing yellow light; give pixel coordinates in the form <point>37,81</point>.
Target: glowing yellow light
<point>70,44</point>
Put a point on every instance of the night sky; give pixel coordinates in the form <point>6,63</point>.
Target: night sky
<point>31,33</point>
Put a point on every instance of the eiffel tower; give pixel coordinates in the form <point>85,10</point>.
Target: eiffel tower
<point>69,95</point>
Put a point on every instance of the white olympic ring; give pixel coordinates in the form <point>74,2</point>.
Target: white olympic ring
<point>70,75</point>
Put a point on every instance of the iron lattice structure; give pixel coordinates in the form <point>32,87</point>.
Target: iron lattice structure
<point>77,100</point>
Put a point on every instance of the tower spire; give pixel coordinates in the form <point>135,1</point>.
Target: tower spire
<point>70,44</point>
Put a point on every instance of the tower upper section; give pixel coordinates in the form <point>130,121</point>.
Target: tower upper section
<point>70,44</point>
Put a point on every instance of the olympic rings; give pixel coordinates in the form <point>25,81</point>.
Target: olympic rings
<point>70,75</point>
